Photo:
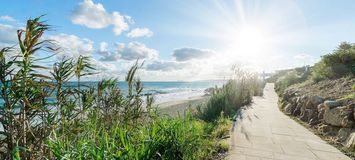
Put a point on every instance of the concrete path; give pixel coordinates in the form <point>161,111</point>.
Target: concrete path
<point>263,132</point>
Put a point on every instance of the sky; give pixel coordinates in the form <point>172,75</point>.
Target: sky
<point>186,40</point>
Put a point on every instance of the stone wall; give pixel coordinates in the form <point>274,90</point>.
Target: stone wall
<point>335,119</point>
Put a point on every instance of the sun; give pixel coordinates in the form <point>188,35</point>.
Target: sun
<point>251,41</point>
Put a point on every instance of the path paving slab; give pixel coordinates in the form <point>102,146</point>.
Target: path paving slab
<point>263,132</point>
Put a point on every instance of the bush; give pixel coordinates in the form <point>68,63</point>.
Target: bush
<point>231,96</point>
<point>290,78</point>
<point>338,64</point>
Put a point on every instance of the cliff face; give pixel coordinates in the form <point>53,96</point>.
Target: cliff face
<point>327,106</point>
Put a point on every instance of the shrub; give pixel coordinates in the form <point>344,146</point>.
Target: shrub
<point>338,64</point>
<point>162,138</point>
<point>290,78</point>
<point>231,96</point>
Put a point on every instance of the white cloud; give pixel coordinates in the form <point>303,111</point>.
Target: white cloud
<point>185,54</point>
<point>131,51</point>
<point>165,66</point>
<point>7,35</point>
<point>95,16</point>
<point>7,18</point>
<point>140,32</point>
<point>72,45</point>
<point>136,50</point>
<point>103,48</point>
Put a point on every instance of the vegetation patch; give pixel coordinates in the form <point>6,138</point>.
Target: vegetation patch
<point>46,118</point>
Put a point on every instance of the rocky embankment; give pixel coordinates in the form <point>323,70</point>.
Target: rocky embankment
<point>323,108</point>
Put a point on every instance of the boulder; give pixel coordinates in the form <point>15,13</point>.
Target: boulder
<point>307,115</point>
<point>289,108</point>
<point>350,141</point>
<point>321,110</point>
<point>335,116</point>
<point>314,121</point>
<point>297,111</point>
<point>288,94</point>
<point>312,114</point>
<point>309,105</point>
<point>343,134</point>
<point>303,117</point>
<point>347,122</point>
<point>331,104</point>
<point>320,107</point>
<point>316,100</point>
<point>328,129</point>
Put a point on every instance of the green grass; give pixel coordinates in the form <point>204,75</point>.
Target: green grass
<point>162,138</point>
<point>348,97</point>
<point>230,97</point>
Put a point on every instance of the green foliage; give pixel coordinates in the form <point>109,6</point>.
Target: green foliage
<point>162,138</point>
<point>291,77</point>
<point>234,94</point>
<point>45,118</point>
<point>338,64</point>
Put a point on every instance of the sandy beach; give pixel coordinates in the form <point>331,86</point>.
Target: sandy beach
<point>178,107</point>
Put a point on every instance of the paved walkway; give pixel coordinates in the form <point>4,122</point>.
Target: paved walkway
<point>263,132</point>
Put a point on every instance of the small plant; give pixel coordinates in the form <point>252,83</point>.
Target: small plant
<point>338,64</point>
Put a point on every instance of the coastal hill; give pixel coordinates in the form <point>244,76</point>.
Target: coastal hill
<point>322,97</point>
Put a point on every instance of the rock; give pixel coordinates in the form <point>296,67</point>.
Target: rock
<point>343,134</point>
<point>314,121</point>
<point>309,105</point>
<point>294,100</point>
<point>320,114</point>
<point>312,114</point>
<point>298,100</point>
<point>328,130</point>
<point>316,100</point>
<point>306,115</point>
<point>296,112</point>
<point>321,110</point>
<point>335,116</point>
<point>350,141</point>
<point>289,109</point>
<point>303,117</point>
<point>331,104</point>
<point>320,107</point>
<point>288,94</point>
<point>347,122</point>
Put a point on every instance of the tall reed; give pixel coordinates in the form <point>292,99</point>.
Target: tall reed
<point>86,122</point>
<point>237,92</point>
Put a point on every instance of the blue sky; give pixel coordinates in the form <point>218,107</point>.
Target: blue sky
<point>189,40</point>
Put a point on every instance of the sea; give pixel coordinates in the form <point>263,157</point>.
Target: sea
<point>164,91</point>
